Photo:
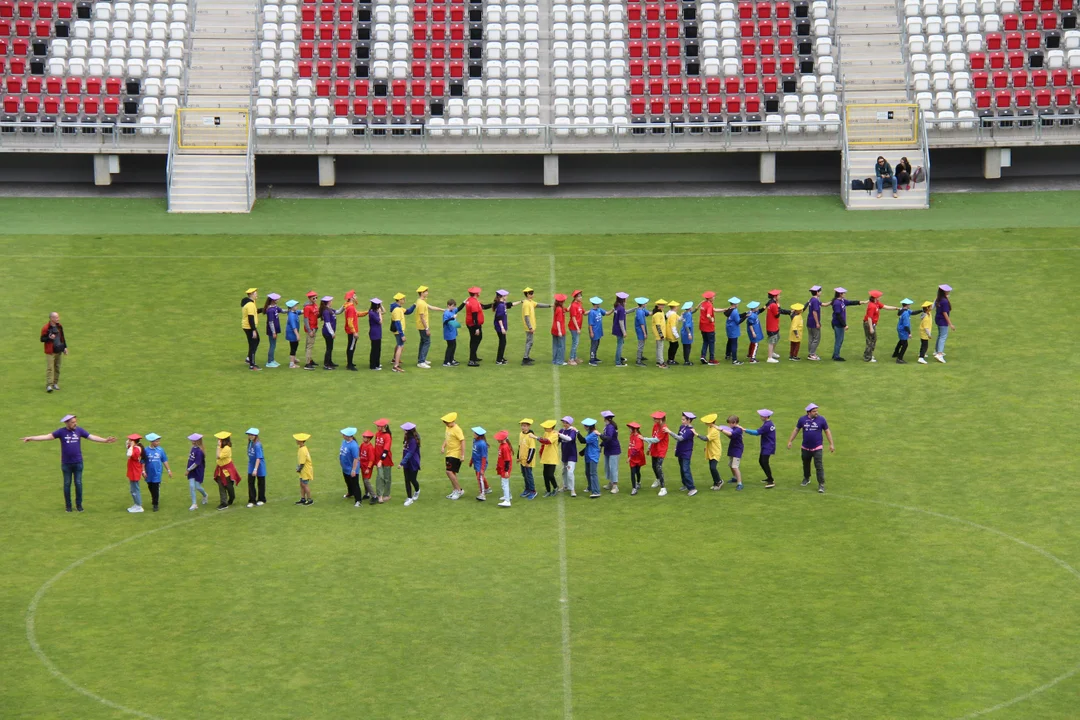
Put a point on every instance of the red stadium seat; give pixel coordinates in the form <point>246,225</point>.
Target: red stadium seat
<point>1042,98</point>
<point>1001,79</point>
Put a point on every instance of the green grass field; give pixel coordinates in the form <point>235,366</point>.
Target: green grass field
<point>935,580</point>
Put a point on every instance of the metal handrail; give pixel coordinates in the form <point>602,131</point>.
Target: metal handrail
<point>250,168</point>
<point>926,157</point>
<point>169,162</point>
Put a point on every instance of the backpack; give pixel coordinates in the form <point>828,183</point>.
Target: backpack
<point>857,185</point>
<point>919,175</point>
<point>868,185</point>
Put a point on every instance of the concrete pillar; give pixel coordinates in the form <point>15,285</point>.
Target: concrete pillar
<point>551,170</point>
<point>327,175</point>
<point>992,163</point>
<point>105,166</point>
<point>768,168</point>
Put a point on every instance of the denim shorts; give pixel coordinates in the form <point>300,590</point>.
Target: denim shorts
<point>400,339</point>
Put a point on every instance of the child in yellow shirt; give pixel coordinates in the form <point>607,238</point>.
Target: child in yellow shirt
<point>795,334</point>
<point>926,325</point>
<point>658,327</point>
<point>671,331</point>
<point>527,457</point>
<point>304,468</point>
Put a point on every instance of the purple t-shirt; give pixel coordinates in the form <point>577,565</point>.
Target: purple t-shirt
<point>735,444</point>
<point>273,322</point>
<point>812,429</point>
<point>943,306</point>
<point>684,447</point>
<point>812,307</point>
<point>610,440</point>
<point>374,325</point>
<point>767,433</point>
<point>618,320</point>
<point>500,317</point>
<point>70,444</point>
<point>569,447</point>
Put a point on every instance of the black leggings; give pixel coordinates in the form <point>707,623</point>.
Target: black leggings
<point>253,345</point>
<point>411,485</point>
<point>901,348</point>
<point>686,353</point>
<point>256,488</point>
<point>376,354</point>
<point>328,358</point>
<point>451,350</point>
<point>293,345</point>
<point>350,348</point>
<point>763,461</point>
<point>658,469</point>
<point>549,478</point>
<point>502,346</point>
<point>672,351</point>
<point>476,334</point>
<point>352,485</point>
<point>155,490</point>
<point>635,476</point>
<point>716,479</point>
<point>923,346</point>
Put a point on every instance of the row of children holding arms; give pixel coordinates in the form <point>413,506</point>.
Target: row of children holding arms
<point>556,449</point>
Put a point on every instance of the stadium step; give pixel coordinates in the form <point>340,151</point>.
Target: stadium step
<point>861,166</point>
<point>871,58</point>
<point>209,183</point>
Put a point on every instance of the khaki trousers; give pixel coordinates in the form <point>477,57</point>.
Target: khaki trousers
<point>52,368</point>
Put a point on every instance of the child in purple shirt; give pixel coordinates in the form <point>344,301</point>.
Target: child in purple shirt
<point>734,448</point>
<point>767,433</point>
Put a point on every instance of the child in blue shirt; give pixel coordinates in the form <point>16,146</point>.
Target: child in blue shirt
<point>731,326</point>
<point>155,459</point>
<point>596,329</point>
<point>591,440</point>
<point>292,331</point>
<point>478,461</point>
<point>903,330</point>
<point>450,327</point>
<point>753,330</point>
<point>256,474</point>
<point>686,333</point>
<point>641,327</point>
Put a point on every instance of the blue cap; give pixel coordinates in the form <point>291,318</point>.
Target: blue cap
<point>291,304</point>
<point>641,300</point>
<point>588,422</point>
<point>734,300</point>
<point>479,430</point>
<point>688,304</point>
<point>595,300</point>
<point>906,301</point>
<point>152,437</point>
<point>252,431</point>
<point>349,432</point>
<point>753,305</point>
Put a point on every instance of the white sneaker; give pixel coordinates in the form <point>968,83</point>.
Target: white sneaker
<point>135,509</point>
<point>940,359</point>
<point>504,503</point>
<point>193,507</point>
<point>260,503</point>
<point>692,493</point>
<point>408,502</point>
<point>454,495</point>
<point>205,499</point>
<point>772,360</point>
<point>614,489</point>
<point>776,355</point>
<point>662,493</point>
<point>922,361</point>
<point>251,504</point>
<point>416,496</point>
<point>656,483</point>
<point>873,359</point>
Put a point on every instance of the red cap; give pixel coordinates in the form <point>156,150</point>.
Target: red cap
<point>575,293</point>
<point>708,294</point>
<point>659,414</point>
<point>135,436</point>
<point>381,421</point>
<point>313,294</point>
<point>633,425</point>
<point>774,292</point>
<point>501,435</point>
<point>368,434</point>
<point>474,290</point>
<point>876,293</point>
<point>350,295</point>
<point>559,297</point>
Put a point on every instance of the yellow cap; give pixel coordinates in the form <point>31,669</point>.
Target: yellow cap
<point>547,424</point>
<point>710,418</point>
<point>928,304</point>
<point>661,301</point>
<point>222,435</point>
<point>301,436</point>
<point>399,296</point>
<point>672,303</point>
<point>526,421</point>
<point>422,288</point>
<point>250,290</point>
<point>528,290</point>
<point>449,417</point>
<point>799,307</point>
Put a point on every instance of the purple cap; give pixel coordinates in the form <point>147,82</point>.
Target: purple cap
<point>622,295</point>
<point>408,426</point>
<point>607,414</point>
<point>946,288</point>
<point>327,298</point>
<point>810,407</point>
<point>839,289</point>
<point>502,293</point>
<point>568,420</point>
<point>815,288</point>
<point>273,296</point>
<point>66,418</point>
<point>688,414</point>
<point>194,436</point>
<point>765,413</point>
<point>376,301</point>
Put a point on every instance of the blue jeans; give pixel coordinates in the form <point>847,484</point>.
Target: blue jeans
<point>942,334</point>
<point>558,349</point>
<point>838,340</point>
<point>72,473</point>
<point>195,487</point>
<point>708,345</point>
<point>594,347</point>
<point>619,340</point>
<point>611,468</point>
<point>425,343</point>
<point>527,473</point>
<point>687,476</point>
<point>592,477</point>
<point>273,346</point>
<point>881,180</point>
<point>136,493</point>
<point>575,335</point>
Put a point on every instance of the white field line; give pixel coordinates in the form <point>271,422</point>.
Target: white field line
<point>564,591</point>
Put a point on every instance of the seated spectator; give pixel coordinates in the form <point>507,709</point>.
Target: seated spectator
<point>903,173</point>
<point>884,173</point>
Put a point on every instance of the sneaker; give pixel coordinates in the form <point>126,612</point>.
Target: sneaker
<point>55,386</point>
<point>408,502</point>
<point>251,504</point>
<point>193,507</point>
<point>770,484</point>
<point>505,503</point>
<point>222,506</point>
<point>772,360</point>
<point>776,355</point>
<point>662,493</point>
<point>812,357</point>
<point>528,361</point>
<point>873,359</point>
<point>273,364</point>
<point>901,361</point>
<point>736,362</point>
<point>78,508</point>
<point>738,486</point>
<point>922,361</point>
<point>260,503</point>
<point>135,509</point>
<point>692,493</point>
<point>446,364</point>
<point>940,359</point>
<point>879,196</point>
<point>503,362</point>
<point>155,507</point>
<point>454,363</point>
<point>794,358</point>
<point>424,365</point>
<point>753,361</point>
<point>641,363</point>
<point>895,195</point>
<point>633,490</point>
<point>573,493</point>
<point>310,501</point>
<point>839,359</point>
<point>622,363</point>
<point>655,483</point>
<point>301,501</point>
<point>608,486</point>
<point>805,482</point>
<point>453,495</point>
<point>355,504</point>
<point>593,496</point>
<point>48,388</point>
<point>473,363</point>
<point>718,485</point>
<point>352,368</point>
<point>254,367</point>
<point>481,497</point>
<point>67,509</point>
<point>821,489</point>
<point>531,496</point>
<point>594,363</point>
<point>714,362</point>
<point>327,367</point>
<point>615,489</point>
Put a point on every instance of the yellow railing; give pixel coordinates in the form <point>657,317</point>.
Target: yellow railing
<point>882,124</point>
<point>222,130</point>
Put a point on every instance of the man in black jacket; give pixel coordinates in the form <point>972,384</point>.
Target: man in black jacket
<point>52,337</point>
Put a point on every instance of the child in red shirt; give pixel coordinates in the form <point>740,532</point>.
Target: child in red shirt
<point>384,458</point>
<point>367,463</point>
<point>504,465</point>
<point>636,454</point>
<point>135,471</point>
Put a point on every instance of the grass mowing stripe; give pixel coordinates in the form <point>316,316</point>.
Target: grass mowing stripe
<point>564,584</point>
